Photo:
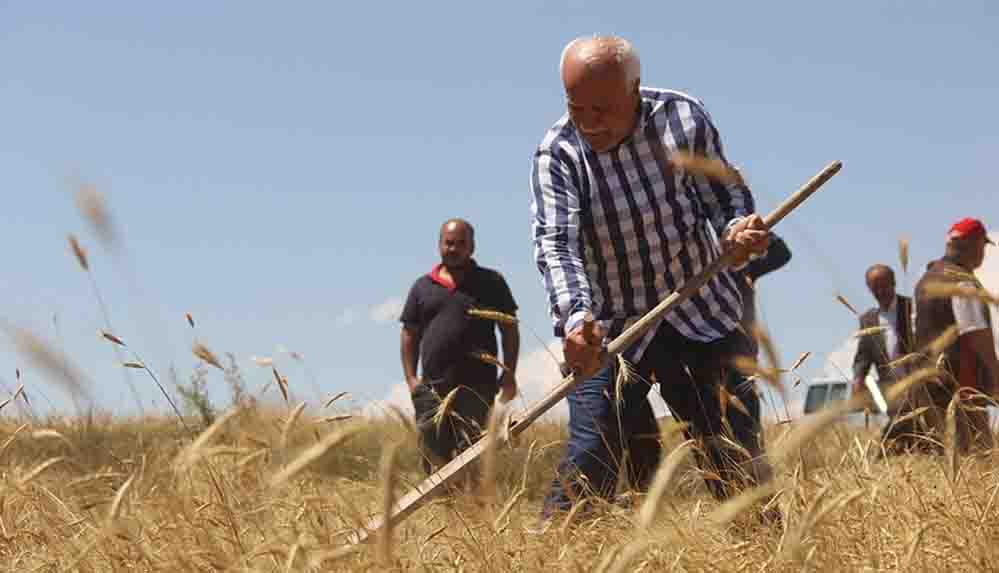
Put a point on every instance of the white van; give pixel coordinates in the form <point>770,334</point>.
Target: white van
<point>822,391</point>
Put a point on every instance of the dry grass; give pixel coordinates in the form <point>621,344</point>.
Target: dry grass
<point>259,490</point>
<point>114,495</point>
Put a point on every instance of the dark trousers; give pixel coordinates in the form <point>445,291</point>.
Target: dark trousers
<point>460,427</point>
<point>927,432</point>
<point>689,375</point>
<point>745,425</point>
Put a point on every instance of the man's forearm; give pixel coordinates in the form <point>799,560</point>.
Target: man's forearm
<point>409,350</point>
<point>557,231</point>
<point>777,256</point>
<point>511,346</point>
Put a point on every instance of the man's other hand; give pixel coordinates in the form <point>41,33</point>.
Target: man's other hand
<point>747,236</point>
<point>583,348</point>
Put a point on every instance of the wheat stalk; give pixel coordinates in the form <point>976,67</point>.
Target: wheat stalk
<point>93,207</point>
<point>495,436</point>
<point>338,418</point>
<point>282,383</point>
<point>494,315</point>
<point>37,471</point>
<point>444,409</point>
<point>17,392</point>
<point>942,342</point>
<point>801,360</point>
<point>201,351</point>
<point>842,300</point>
<point>770,351</point>
<point>487,358</point>
<point>56,365</point>
<point>940,289</point>
<point>78,252</point>
<point>952,438</point>
<point>263,361</point>
<point>312,454</point>
<point>10,439</point>
<point>116,503</point>
<point>290,423</point>
<point>192,453</point>
<point>871,331</point>
<point>335,398</point>
<point>49,433</point>
<point>735,506</point>
<point>388,470</point>
<point>660,485</point>
<point>710,168</point>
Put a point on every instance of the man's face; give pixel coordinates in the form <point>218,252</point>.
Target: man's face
<point>882,285</point>
<point>455,246</point>
<point>603,107</point>
<point>978,251</point>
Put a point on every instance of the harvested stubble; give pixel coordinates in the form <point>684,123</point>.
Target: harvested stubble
<point>116,500</point>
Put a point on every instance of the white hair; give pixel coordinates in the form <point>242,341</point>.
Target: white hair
<point>620,51</point>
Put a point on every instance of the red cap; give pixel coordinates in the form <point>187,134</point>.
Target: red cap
<point>968,227</point>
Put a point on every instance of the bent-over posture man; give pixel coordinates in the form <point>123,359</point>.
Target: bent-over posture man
<point>616,228</point>
<point>439,332</point>
<point>969,364</point>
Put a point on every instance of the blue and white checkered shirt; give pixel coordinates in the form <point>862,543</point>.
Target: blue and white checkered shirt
<point>616,232</point>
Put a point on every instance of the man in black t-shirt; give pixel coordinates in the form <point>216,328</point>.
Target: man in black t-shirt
<point>455,345</point>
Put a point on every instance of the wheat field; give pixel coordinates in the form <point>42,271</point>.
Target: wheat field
<point>273,490</point>
<point>282,487</point>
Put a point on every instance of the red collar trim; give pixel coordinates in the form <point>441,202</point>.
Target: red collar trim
<point>435,275</point>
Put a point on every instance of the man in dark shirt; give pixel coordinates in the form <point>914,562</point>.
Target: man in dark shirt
<point>443,329</point>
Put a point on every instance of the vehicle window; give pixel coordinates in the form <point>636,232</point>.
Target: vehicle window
<point>837,392</point>
<point>816,397</point>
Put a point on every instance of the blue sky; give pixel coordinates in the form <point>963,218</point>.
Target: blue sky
<point>281,173</point>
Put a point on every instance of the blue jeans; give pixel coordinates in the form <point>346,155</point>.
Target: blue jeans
<point>689,375</point>
<point>605,435</point>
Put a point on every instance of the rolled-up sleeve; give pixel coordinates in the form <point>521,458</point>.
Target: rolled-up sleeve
<point>555,225</point>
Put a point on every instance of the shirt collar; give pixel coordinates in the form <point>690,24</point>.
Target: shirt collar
<point>435,275</point>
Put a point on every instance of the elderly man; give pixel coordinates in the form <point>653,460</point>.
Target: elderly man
<point>969,364</point>
<point>888,336</point>
<point>893,316</point>
<point>616,228</point>
<point>450,343</point>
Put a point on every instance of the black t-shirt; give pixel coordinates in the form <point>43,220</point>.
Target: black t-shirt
<point>449,334</point>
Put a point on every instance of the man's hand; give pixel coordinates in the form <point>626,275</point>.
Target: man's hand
<point>748,236</point>
<point>859,387</point>
<point>413,383</point>
<point>508,387</point>
<point>583,348</point>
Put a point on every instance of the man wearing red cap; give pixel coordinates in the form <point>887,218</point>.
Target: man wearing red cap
<point>969,364</point>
